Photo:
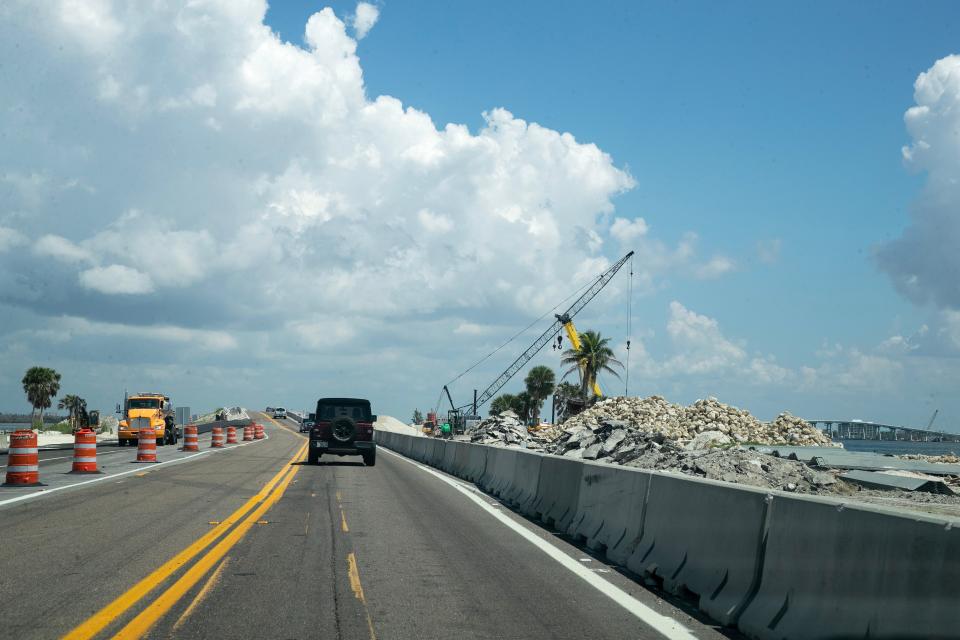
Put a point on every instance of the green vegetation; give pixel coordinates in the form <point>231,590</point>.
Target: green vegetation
<point>540,382</point>
<point>75,406</point>
<point>502,403</point>
<point>593,357</point>
<point>417,417</point>
<point>41,384</point>
<point>521,404</point>
<point>60,427</point>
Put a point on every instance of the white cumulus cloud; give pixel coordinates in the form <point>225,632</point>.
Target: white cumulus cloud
<point>60,248</point>
<point>923,262</point>
<point>116,279</point>
<point>10,238</point>
<point>190,169</point>
<point>365,17</point>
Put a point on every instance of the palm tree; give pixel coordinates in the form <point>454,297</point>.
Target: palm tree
<point>522,405</point>
<point>75,405</point>
<point>566,393</point>
<point>501,403</point>
<point>41,384</point>
<point>593,357</point>
<point>540,383</point>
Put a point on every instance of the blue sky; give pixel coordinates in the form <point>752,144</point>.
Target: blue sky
<point>819,279</point>
<point>747,122</point>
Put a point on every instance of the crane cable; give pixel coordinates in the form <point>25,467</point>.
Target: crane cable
<point>514,337</point>
<point>626,386</point>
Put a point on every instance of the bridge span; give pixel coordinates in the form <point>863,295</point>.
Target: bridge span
<point>861,430</point>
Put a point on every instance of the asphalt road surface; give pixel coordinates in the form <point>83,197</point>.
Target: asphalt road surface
<point>252,543</point>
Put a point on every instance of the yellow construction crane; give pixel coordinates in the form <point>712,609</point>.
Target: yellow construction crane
<point>574,338</point>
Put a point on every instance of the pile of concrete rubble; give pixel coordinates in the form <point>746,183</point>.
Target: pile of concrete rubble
<point>947,458</point>
<point>615,442</point>
<point>506,429</point>
<point>707,423</point>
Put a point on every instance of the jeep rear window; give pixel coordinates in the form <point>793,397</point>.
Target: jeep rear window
<point>360,413</point>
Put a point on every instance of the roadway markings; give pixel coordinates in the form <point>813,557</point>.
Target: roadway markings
<point>42,460</point>
<point>100,620</point>
<point>141,624</point>
<point>354,575</point>
<point>207,588</point>
<point>665,625</point>
<point>343,516</point>
<point>47,491</point>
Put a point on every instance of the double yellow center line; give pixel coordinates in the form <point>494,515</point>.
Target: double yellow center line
<point>136,628</point>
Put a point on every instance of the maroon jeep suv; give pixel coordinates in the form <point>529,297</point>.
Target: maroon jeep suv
<point>344,427</point>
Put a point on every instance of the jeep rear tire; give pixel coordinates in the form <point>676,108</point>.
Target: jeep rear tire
<point>343,429</point>
<point>313,457</point>
<point>370,459</point>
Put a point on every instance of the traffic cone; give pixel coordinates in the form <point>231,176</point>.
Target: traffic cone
<point>231,435</point>
<point>23,461</point>
<point>248,433</point>
<point>85,452</point>
<point>258,432</point>
<point>190,442</point>
<point>216,440</point>
<point>146,445</point>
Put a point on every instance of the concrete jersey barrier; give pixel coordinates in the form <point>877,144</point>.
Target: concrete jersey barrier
<point>776,565</point>
<point>838,571</point>
<point>558,491</point>
<point>610,509</point>
<point>701,536</point>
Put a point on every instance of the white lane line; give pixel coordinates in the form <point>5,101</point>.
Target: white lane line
<point>42,460</point>
<point>145,467</point>
<point>665,625</point>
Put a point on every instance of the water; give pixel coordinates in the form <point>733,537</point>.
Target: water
<point>892,447</point>
<point>8,426</point>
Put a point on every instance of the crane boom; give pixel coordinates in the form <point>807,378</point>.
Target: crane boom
<point>552,330</point>
<point>574,338</point>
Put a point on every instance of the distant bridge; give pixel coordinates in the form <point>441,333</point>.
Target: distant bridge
<point>858,430</point>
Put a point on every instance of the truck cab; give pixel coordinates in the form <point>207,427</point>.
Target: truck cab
<point>147,410</point>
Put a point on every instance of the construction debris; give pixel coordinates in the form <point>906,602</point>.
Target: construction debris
<point>947,458</point>
<point>614,442</point>
<point>684,424</point>
<point>506,429</point>
<point>902,480</point>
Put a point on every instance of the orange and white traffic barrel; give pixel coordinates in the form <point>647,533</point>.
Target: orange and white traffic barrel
<point>216,440</point>
<point>146,445</point>
<point>258,432</point>
<point>85,452</point>
<point>23,461</point>
<point>231,435</point>
<point>248,433</point>
<point>190,441</point>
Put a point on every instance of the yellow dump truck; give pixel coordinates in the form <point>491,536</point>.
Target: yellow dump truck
<point>144,409</point>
